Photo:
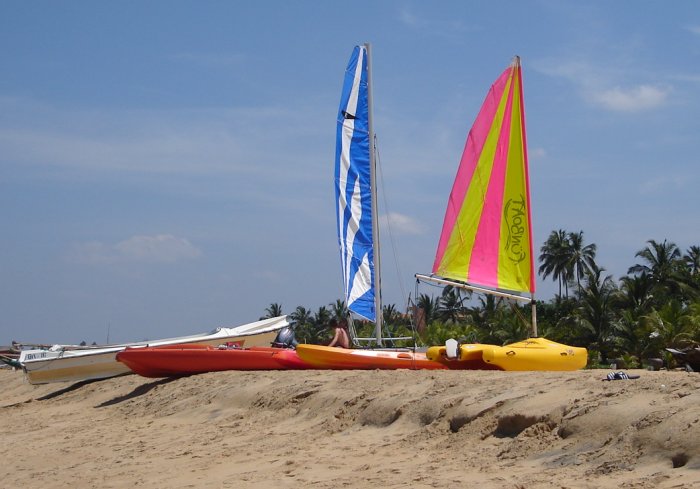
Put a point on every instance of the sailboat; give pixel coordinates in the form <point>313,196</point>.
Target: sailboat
<point>486,242</point>
<point>358,229</point>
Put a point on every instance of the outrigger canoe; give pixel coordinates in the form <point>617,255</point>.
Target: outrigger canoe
<point>63,363</point>
<point>530,354</point>
<point>188,359</point>
<point>328,357</point>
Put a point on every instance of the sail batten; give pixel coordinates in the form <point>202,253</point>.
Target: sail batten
<point>486,237</point>
<point>353,187</point>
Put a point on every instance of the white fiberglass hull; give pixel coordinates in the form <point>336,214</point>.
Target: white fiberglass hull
<point>72,365</point>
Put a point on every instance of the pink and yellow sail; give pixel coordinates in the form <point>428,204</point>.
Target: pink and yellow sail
<point>486,236</point>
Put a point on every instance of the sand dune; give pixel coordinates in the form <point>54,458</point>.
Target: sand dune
<point>330,429</point>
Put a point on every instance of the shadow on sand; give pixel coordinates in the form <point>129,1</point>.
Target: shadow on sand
<point>138,391</point>
<point>65,390</point>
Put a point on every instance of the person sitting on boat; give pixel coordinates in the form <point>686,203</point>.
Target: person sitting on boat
<point>341,339</point>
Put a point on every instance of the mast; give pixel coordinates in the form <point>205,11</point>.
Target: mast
<point>533,304</point>
<point>375,218</point>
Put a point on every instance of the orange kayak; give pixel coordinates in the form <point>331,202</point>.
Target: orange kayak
<point>187,359</point>
<point>327,357</point>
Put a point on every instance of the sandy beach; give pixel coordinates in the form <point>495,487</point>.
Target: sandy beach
<point>330,429</point>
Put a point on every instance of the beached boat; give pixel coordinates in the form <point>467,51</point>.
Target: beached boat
<point>358,230</point>
<point>530,354</point>
<point>688,357</point>
<point>328,357</point>
<point>9,357</point>
<point>71,364</point>
<point>188,359</point>
<point>486,242</point>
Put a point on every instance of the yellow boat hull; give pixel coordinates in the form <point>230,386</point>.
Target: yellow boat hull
<point>530,354</point>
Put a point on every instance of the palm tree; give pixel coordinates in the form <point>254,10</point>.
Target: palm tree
<point>450,305</point>
<point>301,315</point>
<point>636,294</point>
<point>488,317</point>
<point>553,256</point>
<point>273,311</point>
<point>311,328</point>
<point>694,313</point>
<point>390,314</point>
<point>305,329</point>
<point>692,261</point>
<point>664,265</point>
<point>633,336</point>
<point>661,261</point>
<point>511,329</point>
<point>428,305</point>
<point>551,320</point>
<point>322,316</point>
<point>339,310</point>
<point>673,324</point>
<point>595,313</point>
<point>565,257</point>
<point>439,332</point>
<point>579,258</point>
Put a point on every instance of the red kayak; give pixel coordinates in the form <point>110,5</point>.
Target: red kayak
<point>187,359</point>
<point>289,359</point>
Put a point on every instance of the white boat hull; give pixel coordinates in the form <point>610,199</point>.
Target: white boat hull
<point>74,365</point>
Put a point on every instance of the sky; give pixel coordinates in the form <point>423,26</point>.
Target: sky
<point>166,167</point>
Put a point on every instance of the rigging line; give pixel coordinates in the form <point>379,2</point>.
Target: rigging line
<point>388,221</point>
<point>519,313</point>
<point>413,307</point>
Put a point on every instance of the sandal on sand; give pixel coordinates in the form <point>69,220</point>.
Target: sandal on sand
<point>620,376</point>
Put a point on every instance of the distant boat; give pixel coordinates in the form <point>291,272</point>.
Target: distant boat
<point>188,359</point>
<point>71,364</point>
<point>486,242</point>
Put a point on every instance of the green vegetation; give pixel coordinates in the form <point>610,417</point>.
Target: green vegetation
<point>655,306</point>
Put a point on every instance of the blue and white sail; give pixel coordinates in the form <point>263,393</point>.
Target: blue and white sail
<point>354,188</point>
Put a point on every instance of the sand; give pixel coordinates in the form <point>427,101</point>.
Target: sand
<point>334,429</point>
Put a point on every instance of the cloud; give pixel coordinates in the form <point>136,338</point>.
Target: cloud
<point>537,153</point>
<point>695,29</point>
<point>210,59</point>
<point>440,27</point>
<point>664,184</point>
<point>272,276</point>
<point>223,141</point>
<point>600,87</point>
<point>408,17</point>
<point>686,78</point>
<point>401,224</point>
<point>161,248</point>
<point>633,99</point>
